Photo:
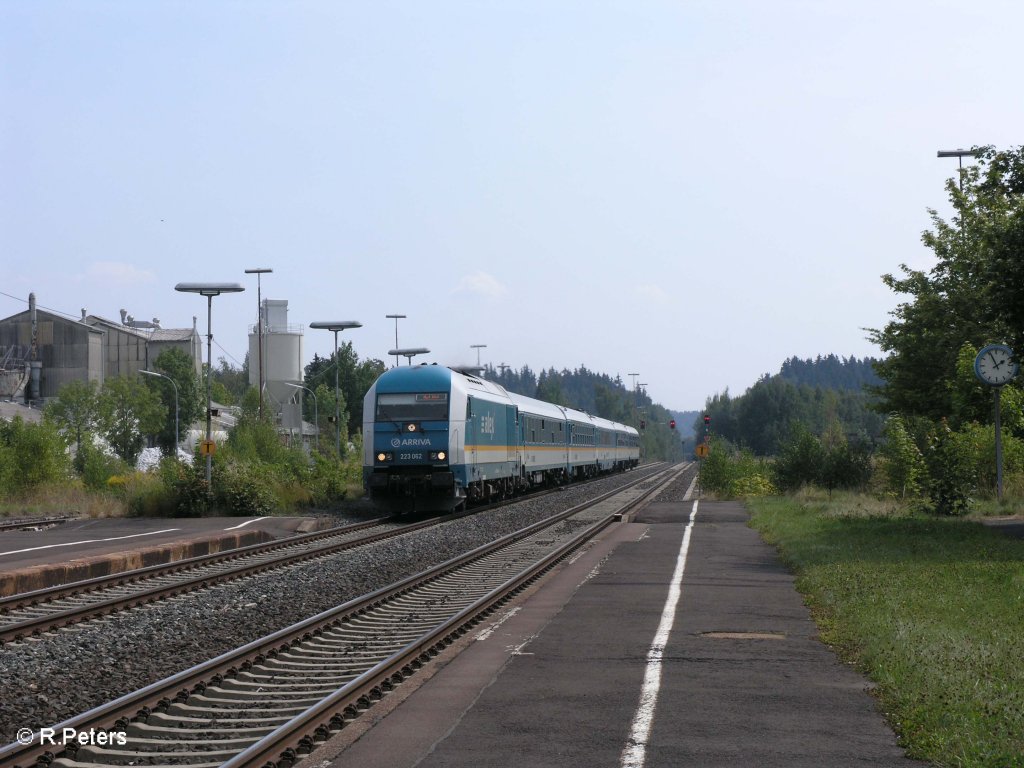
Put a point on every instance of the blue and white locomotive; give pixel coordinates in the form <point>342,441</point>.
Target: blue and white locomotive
<point>434,438</point>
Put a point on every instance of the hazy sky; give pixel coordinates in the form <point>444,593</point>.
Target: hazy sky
<point>694,191</point>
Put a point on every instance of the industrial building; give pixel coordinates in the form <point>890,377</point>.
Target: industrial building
<point>41,351</point>
<point>133,345</point>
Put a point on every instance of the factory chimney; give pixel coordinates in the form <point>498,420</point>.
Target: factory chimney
<point>35,364</point>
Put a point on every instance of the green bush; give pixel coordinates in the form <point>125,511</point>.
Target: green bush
<point>846,465</point>
<point>245,489</point>
<point>951,474</point>
<point>97,466</point>
<point>31,455</point>
<point>716,470</point>
<point>902,466</point>
<point>801,462</point>
<point>976,444</point>
<point>730,473</point>
<point>143,493</point>
<point>754,484</point>
<point>186,487</point>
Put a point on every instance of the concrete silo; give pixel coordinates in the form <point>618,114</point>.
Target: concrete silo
<point>282,361</point>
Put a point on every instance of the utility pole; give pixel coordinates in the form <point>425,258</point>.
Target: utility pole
<point>396,318</point>
<point>259,271</point>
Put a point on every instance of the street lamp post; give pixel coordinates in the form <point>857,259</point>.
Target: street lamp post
<point>336,325</point>
<point>174,384</point>
<point>209,290</point>
<point>477,347</point>
<point>316,410</point>
<point>409,352</point>
<point>959,154</point>
<point>258,271</point>
<point>396,318</point>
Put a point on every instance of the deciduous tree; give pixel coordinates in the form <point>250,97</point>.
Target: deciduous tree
<point>75,412</point>
<point>129,410</point>
<point>973,295</point>
<point>191,400</point>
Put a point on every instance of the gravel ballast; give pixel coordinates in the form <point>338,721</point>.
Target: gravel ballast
<point>62,674</point>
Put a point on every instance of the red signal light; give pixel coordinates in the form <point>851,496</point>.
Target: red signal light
<point>707,419</point>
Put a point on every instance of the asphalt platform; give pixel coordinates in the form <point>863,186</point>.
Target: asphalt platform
<point>562,677</point>
<point>87,548</point>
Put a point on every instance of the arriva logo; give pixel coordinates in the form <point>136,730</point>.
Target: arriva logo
<point>409,442</point>
<point>487,425</point>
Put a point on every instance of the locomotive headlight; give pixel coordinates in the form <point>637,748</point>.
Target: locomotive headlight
<point>441,455</point>
<point>382,456</point>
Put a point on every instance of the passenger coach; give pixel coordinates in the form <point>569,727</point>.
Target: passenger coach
<point>435,438</point>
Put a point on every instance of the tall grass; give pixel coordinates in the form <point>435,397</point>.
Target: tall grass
<point>57,499</point>
<point>931,609</point>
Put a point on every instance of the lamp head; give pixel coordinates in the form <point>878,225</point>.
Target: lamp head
<point>209,289</point>
<point>335,325</point>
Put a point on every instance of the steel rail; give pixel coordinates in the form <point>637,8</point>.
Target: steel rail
<point>148,701</point>
<point>37,596</point>
<point>315,724</point>
<point>30,522</point>
<point>86,612</point>
<point>37,624</point>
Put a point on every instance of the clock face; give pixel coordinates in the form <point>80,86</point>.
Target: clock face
<point>995,365</point>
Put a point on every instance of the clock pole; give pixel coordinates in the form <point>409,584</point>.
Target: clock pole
<point>999,445</point>
<point>995,366</point>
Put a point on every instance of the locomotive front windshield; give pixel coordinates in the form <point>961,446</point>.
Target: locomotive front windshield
<point>420,406</point>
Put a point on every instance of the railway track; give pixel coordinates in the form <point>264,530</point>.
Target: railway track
<point>274,700</point>
<point>31,613</point>
<point>34,522</point>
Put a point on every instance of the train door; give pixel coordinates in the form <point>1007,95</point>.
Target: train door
<point>512,438</point>
<point>472,438</point>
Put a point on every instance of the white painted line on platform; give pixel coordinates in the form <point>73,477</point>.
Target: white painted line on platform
<point>87,541</point>
<point>242,525</point>
<point>635,753</point>
<point>689,491</point>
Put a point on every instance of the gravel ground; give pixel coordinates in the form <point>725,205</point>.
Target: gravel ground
<point>137,647</point>
<point>676,491</point>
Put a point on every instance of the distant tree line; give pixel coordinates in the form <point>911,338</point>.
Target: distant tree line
<point>821,394</point>
<point>831,372</point>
